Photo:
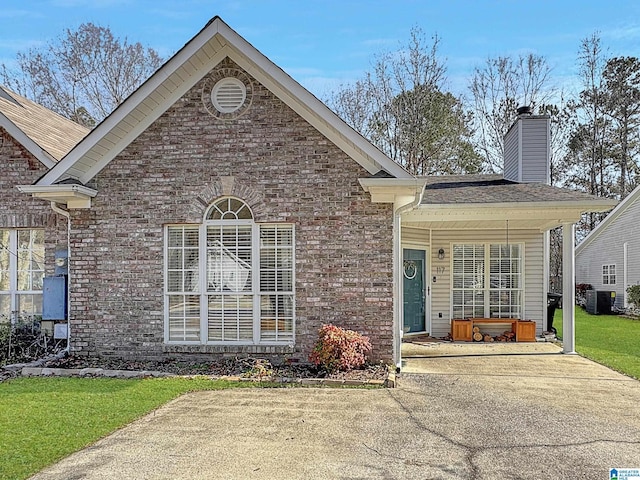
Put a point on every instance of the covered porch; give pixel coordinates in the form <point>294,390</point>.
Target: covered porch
<point>477,246</point>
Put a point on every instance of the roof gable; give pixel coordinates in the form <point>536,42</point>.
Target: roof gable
<point>45,134</point>
<point>603,226</point>
<point>199,56</point>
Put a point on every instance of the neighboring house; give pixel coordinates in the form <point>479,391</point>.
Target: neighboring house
<point>609,257</point>
<point>32,140</point>
<point>222,209</point>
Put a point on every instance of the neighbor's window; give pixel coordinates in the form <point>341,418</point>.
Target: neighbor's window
<point>230,279</point>
<point>608,274</point>
<point>21,273</point>
<point>478,291</point>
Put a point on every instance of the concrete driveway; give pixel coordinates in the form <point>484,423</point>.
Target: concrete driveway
<point>524,415</point>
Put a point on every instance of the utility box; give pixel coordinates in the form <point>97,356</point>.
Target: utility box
<point>54,298</point>
<point>599,302</point>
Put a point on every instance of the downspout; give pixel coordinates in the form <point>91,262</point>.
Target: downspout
<point>67,215</point>
<point>397,269</point>
<point>625,278</point>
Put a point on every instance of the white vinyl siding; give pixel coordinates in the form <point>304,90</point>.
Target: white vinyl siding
<point>607,248</point>
<point>21,273</point>
<point>230,280</point>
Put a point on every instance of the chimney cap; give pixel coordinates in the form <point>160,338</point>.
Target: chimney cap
<point>525,110</point>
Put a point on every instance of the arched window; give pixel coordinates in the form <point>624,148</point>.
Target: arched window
<point>243,279</point>
<point>229,208</point>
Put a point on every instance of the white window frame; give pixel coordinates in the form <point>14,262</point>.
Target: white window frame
<point>486,279</point>
<point>255,291</point>
<point>609,274</point>
<point>14,291</point>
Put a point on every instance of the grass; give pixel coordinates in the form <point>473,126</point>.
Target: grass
<point>607,339</point>
<point>45,419</point>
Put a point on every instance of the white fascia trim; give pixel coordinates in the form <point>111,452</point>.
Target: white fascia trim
<point>598,205</point>
<point>615,213</point>
<point>32,147</point>
<point>73,196</point>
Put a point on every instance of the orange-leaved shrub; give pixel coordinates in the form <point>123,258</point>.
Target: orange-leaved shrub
<point>339,349</point>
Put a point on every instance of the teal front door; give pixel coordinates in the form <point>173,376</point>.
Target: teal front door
<point>413,285</point>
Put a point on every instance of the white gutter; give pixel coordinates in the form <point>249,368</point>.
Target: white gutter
<point>67,215</point>
<point>398,305</point>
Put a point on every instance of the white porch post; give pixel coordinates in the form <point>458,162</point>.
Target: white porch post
<point>397,291</point>
<point>568,288</point>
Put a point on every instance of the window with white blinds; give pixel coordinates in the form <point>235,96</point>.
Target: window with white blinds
<point>230,279</point>
<point>21,273</point>
<point>276,282</point>
<point>481,292</point>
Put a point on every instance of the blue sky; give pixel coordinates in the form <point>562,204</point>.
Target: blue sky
<point>325,43</point>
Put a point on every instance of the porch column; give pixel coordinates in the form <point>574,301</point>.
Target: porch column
<point>397,291</point>
<point>568,288</point>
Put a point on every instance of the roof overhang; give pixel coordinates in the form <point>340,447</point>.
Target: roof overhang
<point>540,216</point>
<point>71,195</point>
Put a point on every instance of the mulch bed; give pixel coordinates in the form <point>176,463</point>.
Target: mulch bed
<point>234,367</point>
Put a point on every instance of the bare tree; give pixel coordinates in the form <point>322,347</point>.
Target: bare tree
<point>497,89</point>
<point>402,108</point>
<point>622,101</point>
<point>83,75</point>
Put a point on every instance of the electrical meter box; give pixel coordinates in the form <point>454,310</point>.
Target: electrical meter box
<point>54,298</point>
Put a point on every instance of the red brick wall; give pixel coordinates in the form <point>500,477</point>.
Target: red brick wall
<point>287,172</point>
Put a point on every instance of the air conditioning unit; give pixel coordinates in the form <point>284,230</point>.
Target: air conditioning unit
<point>599,302</point>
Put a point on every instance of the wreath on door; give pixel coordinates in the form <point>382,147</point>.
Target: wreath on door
<point>410,269</point>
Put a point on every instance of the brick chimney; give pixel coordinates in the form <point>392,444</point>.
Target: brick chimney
<point>527,148</point>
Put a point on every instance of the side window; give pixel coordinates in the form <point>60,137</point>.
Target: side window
<point>609,274</point>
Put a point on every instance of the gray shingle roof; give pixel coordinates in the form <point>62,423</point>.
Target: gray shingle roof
<point>52,132</point>
<point>483,189</point>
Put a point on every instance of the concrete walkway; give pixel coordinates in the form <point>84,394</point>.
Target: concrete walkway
<point>525,415</point>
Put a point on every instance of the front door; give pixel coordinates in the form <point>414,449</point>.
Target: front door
<point>413,276</point>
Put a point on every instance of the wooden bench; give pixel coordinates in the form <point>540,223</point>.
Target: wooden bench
<point>462,329</point>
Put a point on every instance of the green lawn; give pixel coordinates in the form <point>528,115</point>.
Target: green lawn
<point>607,339</point>
<point>45,419</point>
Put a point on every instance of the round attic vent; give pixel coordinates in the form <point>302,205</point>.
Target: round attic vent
<point>228,95</point>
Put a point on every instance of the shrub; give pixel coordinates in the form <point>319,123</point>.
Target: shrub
<point>634,295</point>
<point>23,341</point>
<point>339,349</point>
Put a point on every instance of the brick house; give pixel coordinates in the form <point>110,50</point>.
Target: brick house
<point>224,210</point>
<point>32,140</point>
